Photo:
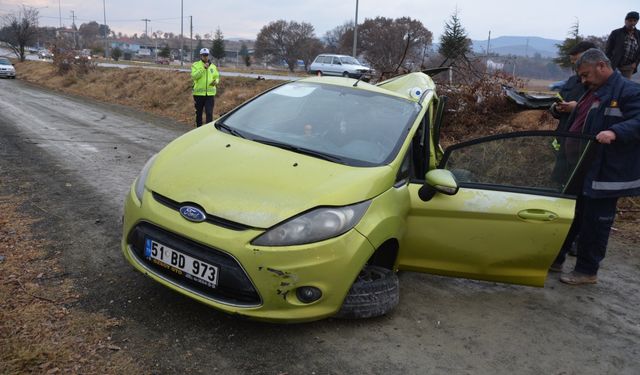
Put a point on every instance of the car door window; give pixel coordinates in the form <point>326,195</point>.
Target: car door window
<point>336,61</point>
<point>532,162</point>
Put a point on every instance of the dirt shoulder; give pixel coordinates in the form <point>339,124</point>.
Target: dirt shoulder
<point>40,330</point>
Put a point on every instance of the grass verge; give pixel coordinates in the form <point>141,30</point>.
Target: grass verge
<point>40,331</point>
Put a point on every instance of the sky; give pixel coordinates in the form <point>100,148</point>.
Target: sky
<point>244,19</point>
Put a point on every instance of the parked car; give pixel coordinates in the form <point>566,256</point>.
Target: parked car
<point>338,65</point>
<point>6,68</point>
<point>303,202</point>
<point>45,54</point>
<point>162,61</point>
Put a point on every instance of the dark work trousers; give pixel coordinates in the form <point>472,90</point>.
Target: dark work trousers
<point>597,216</point>
<point>206,103</point>
<point>574,230</point>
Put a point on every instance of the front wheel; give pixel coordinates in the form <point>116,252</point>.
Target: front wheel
<point>345,74</point>
<point>375,292</point>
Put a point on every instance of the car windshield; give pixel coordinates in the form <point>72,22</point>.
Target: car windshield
<point>4,61</point>
<point>349,60</point>
<point>344,124</point>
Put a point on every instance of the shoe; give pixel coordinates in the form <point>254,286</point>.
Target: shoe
<point>556,267</point>
<point>578,278</point>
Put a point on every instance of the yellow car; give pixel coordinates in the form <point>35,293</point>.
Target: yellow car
<point>302,203</point>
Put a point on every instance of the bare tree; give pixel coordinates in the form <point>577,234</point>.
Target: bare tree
<point>312,48</point>
<point>89,33</point>
<point>284,41</point>
<point>20,29</point>
<point>340,38</point>
<point>391,45</point>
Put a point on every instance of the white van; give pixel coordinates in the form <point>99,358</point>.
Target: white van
<point>337,65</point>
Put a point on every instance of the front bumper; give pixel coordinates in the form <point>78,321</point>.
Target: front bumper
<point>7,73</point>
<point>261,282</point>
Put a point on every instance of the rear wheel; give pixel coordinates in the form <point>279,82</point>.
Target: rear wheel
<point>345,74</point>
<point>319,73</point>
<point>375,292</point>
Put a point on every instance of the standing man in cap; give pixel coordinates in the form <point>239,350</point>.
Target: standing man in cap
<point>622,46</point>
<point>205,78</point>
<point>610,111</point>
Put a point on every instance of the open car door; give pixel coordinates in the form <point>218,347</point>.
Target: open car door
<point>508,212</point>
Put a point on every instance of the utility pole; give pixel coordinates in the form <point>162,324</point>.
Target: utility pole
<point>146,21</point>
<point>181,32</point>
<point>106,43</point>
<point>355,32</point>
<point>191,38</point>
<point>60,12</point>
<point>73,29</point>
<point>488,43</point>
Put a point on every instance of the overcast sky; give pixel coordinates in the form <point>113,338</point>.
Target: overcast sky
<point>244,19</point>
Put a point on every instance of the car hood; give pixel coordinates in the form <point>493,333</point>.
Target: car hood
<point>256,184</point>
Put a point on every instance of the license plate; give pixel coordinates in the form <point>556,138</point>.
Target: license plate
<point>182,264</point>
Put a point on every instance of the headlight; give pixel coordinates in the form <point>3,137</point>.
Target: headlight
<point>313,226</point>
<point>142,178</point>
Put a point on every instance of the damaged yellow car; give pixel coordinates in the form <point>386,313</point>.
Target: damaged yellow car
<point>302,203</point>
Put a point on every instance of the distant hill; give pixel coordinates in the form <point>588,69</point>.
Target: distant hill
<point>519,46</point>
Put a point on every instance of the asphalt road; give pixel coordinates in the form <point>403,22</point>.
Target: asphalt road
<point>76,159</point>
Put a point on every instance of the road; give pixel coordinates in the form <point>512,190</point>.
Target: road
<point>76,160</point>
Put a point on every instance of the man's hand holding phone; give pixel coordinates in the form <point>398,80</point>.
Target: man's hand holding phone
<point>566,106</point>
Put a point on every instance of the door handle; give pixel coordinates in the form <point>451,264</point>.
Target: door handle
<point>537,215</point>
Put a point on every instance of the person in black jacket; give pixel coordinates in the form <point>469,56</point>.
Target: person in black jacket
<point>610,110</point>
<point>570,93</point>
<point>623,46</point>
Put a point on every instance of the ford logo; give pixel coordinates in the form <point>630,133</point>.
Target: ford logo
<point>193,214</point>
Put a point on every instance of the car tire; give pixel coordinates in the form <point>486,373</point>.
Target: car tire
<point>319,73</point>
<point>375,292</point>
<point>345,74</point>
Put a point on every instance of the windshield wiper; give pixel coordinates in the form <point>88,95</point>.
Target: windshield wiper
<point>302,150</point>
<point>228,129</point>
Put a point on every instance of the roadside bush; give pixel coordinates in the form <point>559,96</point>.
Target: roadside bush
<point>116,53</point>
<point>67,61</point>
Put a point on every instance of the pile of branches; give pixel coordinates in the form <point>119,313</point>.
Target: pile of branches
<point>477,104</point>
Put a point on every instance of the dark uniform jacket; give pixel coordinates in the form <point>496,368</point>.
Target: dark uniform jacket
<point>615,47</point>
<point>572,90</point>
<point>615,170</point>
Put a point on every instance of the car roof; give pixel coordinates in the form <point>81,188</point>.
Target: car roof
<point>332,55</point>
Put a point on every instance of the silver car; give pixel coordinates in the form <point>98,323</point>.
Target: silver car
<point>6,68</point>
<point>338,65</point>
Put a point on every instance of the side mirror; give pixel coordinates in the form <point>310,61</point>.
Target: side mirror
<point>438,181</point>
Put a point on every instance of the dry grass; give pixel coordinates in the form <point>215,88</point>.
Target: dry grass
<point>39,332</point>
